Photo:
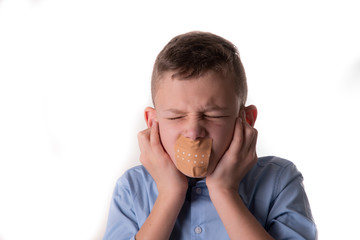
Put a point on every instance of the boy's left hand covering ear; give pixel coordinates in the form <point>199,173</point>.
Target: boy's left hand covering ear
<point>240,157</point>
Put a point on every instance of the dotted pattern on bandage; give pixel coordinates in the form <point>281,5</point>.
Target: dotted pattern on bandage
<point>192,157</point>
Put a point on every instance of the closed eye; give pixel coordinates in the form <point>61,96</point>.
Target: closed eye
<point>207,116</point>
<point>175,118</point>
<point>203,116</point>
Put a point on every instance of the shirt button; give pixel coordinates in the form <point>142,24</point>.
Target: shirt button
<point>198,230</point>
<point>198,190</point>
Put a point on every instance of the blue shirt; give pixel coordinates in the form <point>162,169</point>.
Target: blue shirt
<point>273,192</point>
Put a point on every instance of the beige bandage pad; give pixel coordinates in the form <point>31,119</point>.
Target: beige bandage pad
<point>192,157</point>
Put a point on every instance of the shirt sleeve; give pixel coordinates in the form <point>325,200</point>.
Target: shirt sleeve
<point>122,224</point>
<point>290,215</point>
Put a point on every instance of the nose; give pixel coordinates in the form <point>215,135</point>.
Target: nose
<point>194,129</point>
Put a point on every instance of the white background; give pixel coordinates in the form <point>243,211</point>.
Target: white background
<point>75,78</point>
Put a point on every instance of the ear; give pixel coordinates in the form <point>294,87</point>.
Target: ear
<point>150,116</point>
<point>251,114</point>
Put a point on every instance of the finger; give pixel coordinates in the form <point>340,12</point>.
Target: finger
<point>243,116</point>
<point>250,134</point>
<point>155,141</point>
<point>154,135</point>
<point>252,145</point>
<point>143,138</point>
<point>237,141</point>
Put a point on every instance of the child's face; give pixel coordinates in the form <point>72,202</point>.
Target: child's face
<point>197,108</point>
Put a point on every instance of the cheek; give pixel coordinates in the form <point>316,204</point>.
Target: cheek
<point>222,139</point>
<point>168,136</point>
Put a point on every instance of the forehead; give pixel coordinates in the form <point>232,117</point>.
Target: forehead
<point>206,91</point>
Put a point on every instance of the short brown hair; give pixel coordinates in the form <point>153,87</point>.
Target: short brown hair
<point>195,53</point>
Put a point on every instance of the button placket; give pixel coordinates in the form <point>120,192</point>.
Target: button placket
<point>198,194</point>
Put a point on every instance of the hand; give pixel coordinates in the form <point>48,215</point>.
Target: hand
<point>237,160</point>
<point>171,184</point>
<point>223,183</point>
<point>159,164</point>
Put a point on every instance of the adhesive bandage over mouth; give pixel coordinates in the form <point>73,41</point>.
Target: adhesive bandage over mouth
<point>192,156</point>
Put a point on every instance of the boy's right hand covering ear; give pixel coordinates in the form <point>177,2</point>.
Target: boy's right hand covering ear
<point>159,164</point>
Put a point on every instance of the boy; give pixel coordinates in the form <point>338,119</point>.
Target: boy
<point>200,176</point>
